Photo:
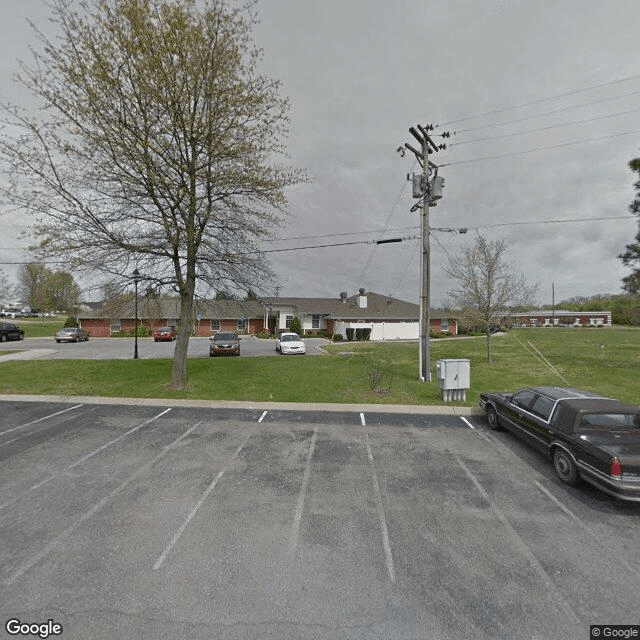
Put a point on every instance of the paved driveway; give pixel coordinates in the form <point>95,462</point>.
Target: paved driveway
<point>177,522</point>
<point>122,348</point>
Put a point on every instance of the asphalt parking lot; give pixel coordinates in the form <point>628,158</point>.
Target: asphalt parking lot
<point>134,521</point>
<point>122,348</point>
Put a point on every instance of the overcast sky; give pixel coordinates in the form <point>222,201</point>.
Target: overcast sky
<point>359,73</point>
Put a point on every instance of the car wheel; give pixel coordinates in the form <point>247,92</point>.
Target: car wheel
<point>565,466</point>
<point>3,338</point>
<point>492,418</point>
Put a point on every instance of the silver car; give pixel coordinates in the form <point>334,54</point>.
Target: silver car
<point>71,334</point>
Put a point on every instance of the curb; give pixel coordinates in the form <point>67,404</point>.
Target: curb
<point>264,406</point>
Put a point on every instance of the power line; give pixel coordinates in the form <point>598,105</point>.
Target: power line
<point>555,146</point>
<point>540,100</point>
<point>337,235</point>
<point>559,221</point>
<point>552,126</point>
<point>547,113</point>
<point>393,208</point>
<point>404,273</point>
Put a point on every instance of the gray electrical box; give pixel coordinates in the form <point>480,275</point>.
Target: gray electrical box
<point>455,378</point>
<point>437,184</point>
<point>418,190</point>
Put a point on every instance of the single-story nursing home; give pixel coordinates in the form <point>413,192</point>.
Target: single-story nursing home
<point>385,317</point>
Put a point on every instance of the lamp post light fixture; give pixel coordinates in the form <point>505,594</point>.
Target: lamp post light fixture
<point>136,278</point>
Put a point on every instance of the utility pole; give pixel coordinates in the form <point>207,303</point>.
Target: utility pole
<point>430,191</point>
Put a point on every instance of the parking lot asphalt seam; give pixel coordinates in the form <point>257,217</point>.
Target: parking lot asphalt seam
<point>409,409</point>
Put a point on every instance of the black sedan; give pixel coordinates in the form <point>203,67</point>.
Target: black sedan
<point>10,331</point>
<point>586,435</point>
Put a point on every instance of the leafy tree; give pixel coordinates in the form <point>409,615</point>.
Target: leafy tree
<point>158,148</point>
<point>631,257</point>
<point>31,279</point>
<point>46,289</point>
<point>295,326</point>
<point>487,288</point>
<point>7,289</point>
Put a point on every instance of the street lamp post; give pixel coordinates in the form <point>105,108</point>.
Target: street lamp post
<point>136,278</point>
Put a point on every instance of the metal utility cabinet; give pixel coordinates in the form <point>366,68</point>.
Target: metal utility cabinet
<point>455,378</point>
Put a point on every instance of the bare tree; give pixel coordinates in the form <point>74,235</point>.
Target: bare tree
<point>158,150</point>
<point>487,288</point>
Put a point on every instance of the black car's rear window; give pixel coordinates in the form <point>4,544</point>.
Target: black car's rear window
<point>610,420</point>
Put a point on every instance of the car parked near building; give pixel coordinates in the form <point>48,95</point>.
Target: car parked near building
<point>585,435</point>
<point>164,333</point>
<point>290,343</point>
<point>10,331</point>
<point>71,334</point>
<point>224,343</point>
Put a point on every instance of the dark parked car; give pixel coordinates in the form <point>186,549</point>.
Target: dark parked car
<point>164,333</point>
<point>71,334</point>
<point>224,343</point>
<point>586,435</point>
<point>10,331</point>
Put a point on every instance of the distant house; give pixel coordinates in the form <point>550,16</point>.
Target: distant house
<point>387,318</point>
<point>558,318</point>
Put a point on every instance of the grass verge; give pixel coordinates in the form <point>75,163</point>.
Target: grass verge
<point>602,360</point>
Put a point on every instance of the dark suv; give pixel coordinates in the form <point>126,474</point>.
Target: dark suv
<point>10,331</point>
<point>224,343</point>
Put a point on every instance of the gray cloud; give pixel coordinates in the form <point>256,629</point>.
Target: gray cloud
<point>360,73</point>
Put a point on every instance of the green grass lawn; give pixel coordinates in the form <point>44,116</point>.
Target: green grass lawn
<point>39,327</point>
<point>602,360</point>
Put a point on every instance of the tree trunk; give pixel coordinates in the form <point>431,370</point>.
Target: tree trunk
<point>179,369</point>
<point>489,357</point>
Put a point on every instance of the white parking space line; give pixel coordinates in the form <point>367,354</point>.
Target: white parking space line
<point>262,417</point>
<point>471,426</point>
<point>58,540</point>
<point>378,498</point>
<point>520,544</point>
<point>52,415</point>
<point>83,459</point>
<point>295,530</point>
<point>575,518</point>
<point>480,432</point>
<point>197,506</point>
<point>561,506</point>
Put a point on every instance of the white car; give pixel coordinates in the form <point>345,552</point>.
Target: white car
<point>290,343</point>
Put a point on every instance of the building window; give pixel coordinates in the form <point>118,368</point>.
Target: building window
<point>315,322</point>
<point>116,325</point>
<point>242,324</point>
<point>444,325</point>
<point>215,325</point>
<point>288,321</point>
